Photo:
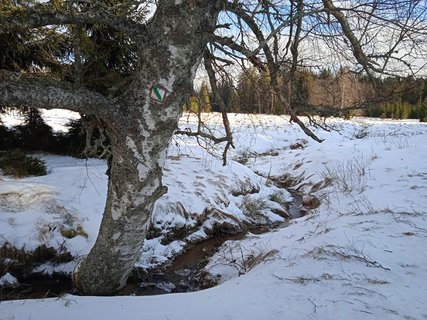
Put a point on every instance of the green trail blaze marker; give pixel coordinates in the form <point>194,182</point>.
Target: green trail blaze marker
<point>158,94</point>
<point>156,91</point>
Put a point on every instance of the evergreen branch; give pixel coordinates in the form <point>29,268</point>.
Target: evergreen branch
<point>43,15</point>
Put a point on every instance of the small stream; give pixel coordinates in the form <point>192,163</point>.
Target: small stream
<point>184,274</point>
<point>296,209</point>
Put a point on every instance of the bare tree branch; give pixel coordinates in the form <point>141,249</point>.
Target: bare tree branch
<point>200,133</point>
<point>228,41</point>
<point>248,19</point>
<point>357,50</point>
<point>272,66</point>
<point>212,80</point>
<point>24,90</point>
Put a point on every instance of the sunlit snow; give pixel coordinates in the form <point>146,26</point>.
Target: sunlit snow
<point>361,255</point>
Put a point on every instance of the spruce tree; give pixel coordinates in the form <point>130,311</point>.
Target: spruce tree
<point>34,134</point>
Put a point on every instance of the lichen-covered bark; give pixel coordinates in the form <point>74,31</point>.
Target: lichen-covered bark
<point>26,90</point>
<point>134,185</point>
<point>140,130</point>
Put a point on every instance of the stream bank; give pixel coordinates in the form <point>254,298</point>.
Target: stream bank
<point>185,273</point>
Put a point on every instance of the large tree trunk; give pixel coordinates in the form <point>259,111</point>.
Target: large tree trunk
<point>140,131</point>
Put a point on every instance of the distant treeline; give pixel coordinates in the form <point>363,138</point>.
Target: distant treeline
<point>325,93</point>
<point>400,98</point>
<point>342,93</point>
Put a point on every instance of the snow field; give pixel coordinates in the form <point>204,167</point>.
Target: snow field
<point>360,255</point>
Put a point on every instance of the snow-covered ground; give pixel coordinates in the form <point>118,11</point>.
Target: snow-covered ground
<point>56,118</point>
<point>361,255</point>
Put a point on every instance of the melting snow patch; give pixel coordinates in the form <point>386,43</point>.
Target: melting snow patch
<point>9,281</point>
<point>17,196</point>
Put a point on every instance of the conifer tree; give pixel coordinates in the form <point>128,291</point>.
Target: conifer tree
<point>203,98</point>
<point>34,134</point>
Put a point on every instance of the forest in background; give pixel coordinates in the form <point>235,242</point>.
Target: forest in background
<point>344,94</point>
<point>324,93</point>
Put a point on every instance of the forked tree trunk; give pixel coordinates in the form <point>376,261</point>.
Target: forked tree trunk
<point>140,130</point>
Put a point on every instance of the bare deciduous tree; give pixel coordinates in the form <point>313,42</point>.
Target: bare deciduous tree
<point>139,121</point>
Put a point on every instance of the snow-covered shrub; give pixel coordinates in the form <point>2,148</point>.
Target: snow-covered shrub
<point>253,207</point>
<point>17,164</point>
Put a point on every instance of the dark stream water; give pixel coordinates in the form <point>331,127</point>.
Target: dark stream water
<point>183,275</point>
